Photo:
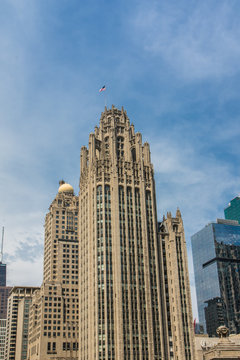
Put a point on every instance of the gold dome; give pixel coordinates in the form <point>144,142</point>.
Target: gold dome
<point>65,188</point>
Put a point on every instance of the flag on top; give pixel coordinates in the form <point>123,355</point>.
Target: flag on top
<point>102,88</point>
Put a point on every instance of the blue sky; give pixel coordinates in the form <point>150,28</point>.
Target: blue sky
<point>173,65</point>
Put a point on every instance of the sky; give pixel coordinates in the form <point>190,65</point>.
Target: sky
<point>173,65</point>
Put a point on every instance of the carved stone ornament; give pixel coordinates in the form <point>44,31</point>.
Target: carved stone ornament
<point>222,331</point>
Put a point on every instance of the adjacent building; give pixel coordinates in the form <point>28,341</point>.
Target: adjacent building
<point>216,254</point>
<point>133,304</point>
<point>232,211</point>
<point>53,328</point>
<point>22,328</point>
<point>214,315</point>
<point>177,302</point>
<point>17,318</point>
<point>3,323</point>
<point>4,293</point>
<point>4,290</point>
<point>3,274</point>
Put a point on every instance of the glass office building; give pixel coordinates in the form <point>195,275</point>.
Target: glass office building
<point>216,259</point>
<point>3,274</point>
<point>232,211</point>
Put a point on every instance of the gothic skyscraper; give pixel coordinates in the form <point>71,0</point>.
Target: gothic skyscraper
<point>122,295</point>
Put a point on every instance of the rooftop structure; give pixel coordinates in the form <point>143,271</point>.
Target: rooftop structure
<point>232,211</point>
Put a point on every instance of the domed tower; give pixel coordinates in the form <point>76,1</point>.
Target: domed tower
<point>53,324</point>
<point>60,226</point>
<point>120,310</point>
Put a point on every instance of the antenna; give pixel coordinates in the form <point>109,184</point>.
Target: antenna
<point>2,244</point>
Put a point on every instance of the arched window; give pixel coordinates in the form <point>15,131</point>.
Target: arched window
<point>120,147</point>
<point>133,154</point>
<point>106,141</point>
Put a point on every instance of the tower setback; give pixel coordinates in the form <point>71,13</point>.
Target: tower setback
<point>122,299</point>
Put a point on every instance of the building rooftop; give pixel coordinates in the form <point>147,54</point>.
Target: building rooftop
<point>64,187</point>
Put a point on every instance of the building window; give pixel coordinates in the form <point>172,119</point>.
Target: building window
<point>120,147</point>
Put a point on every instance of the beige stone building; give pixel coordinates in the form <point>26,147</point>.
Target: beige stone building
<point>179,332</point>
<point>53,328</point>
<point>17,322</point>
<point>133,304</point>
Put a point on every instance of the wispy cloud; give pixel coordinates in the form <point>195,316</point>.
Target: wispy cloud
<point>198,39</point>
<point>197,183</point>
<point>25,273</point>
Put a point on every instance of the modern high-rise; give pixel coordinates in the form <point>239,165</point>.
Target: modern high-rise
<point>4,294</point>
<point>4,290</point>
<point>133,304</point>
<point>3,274</point>
<point>214,315</point>
<point>232,211</point>
<point>216,254</point>
<point>53,328</point>
<point>3,323</point>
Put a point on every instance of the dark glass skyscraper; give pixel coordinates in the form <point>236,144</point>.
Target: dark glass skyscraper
<point>216,258</point>
<point>3,272</point>
<point>4,291</point>
<point>214,315</point>
<point>232,211</point>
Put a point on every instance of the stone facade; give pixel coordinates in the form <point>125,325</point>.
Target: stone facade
<point>225,348</point>
<point>124,310</point>
<point>16,340</point>
<point>53,330</point>
<point>173,258</point>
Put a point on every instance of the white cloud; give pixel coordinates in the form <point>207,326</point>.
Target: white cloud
<point>25,273</point>
<point>198,183</point>
<point>200,41</point>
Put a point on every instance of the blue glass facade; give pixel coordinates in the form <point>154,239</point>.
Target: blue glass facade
<point>216,258</point>
<point>232,212</point>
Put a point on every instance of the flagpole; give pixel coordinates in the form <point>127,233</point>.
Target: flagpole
<point>105,98</point>
<point>103,88</point>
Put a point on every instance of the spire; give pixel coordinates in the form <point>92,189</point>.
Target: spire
<point>178,213</point>
<point>2,245</point>
<point>169,215</point>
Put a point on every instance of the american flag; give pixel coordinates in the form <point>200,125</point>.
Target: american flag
<point>102,88</point>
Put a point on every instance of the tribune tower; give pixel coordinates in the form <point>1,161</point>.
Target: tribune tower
<point>120,305</point>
